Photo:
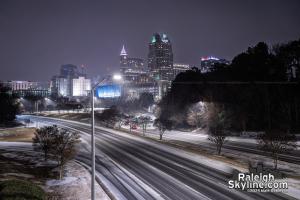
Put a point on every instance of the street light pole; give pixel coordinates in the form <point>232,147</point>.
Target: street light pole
<point>118,77</point>
<point>93,143</point>
<point>93,197</point>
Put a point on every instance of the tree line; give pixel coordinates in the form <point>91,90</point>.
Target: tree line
<point>255,90</point>
<point>9,105</point>
<point>258,91</point>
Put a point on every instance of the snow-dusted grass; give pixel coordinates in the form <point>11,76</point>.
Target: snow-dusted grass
<point>75,184</point>
<point>26,164</point>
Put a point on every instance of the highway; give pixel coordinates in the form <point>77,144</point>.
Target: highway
<point>292,156</point>
<point>136,168</point>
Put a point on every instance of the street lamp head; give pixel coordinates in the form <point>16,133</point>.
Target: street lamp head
<point>117,77</point>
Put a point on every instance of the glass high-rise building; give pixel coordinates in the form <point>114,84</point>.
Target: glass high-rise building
<point>160,58</point>
<point>131,68</point>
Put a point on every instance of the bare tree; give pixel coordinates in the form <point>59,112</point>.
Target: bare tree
<point>109,116</point>
<point>276,141</point>
<point>64,148</point>
<point>162,125</point>
<point>195,114</point>
<point>43,139</point>
<point>120,123</point>
<point>143,121</point>
<point>218,122</point>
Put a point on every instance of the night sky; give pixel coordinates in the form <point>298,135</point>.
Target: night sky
<point>37,36</point>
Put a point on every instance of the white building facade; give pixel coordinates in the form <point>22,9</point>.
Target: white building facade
<point>81,87</point>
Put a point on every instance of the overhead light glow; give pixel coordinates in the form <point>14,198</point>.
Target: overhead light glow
<point>117,77</point>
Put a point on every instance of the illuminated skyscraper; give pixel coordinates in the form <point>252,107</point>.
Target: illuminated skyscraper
<point>131,68</point>
<point>160,58</point>
<point>123,60</point>
<point>160,62</point>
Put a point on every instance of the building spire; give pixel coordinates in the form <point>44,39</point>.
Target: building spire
<point>123,51</point>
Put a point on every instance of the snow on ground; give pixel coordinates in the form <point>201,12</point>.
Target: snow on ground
<point>14,144</point>
<point>76,184</point>
<point>200,138</point>
<point>192,156</point>
<point>197,137</point>
<point>289,168</point>
<point>64,181</point>
<point>27,155</point>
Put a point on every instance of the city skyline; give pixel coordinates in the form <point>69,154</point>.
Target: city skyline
<point>37,38</point>
<point>150,99</point>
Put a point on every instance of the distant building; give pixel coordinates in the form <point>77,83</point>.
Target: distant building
<point>81,86</point>
<point>178,68</point>
<point>209,63</point>
<point>59,86</point>
<point>33,92</point>
<point>160,58</point>
<point>21,85</point>
<point>130,68</point>
<point>29,88</point>
<point>160,62</point>
<point>70,82</point>
<point>157,78</point>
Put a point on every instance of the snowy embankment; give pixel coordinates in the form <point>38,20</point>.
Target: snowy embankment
<point>76,183</point>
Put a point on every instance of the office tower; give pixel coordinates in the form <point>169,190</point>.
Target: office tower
<point>160,58</point>
<point>130,68</point>
<point>209,63</point>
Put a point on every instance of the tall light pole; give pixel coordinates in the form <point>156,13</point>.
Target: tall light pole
<point>93,144</point>
<point>93,138</point>
<point>116,78</point>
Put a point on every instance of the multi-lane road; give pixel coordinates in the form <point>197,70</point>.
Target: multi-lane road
<point>136,168</point>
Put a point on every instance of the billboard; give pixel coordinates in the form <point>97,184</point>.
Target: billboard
<point>108,91</point>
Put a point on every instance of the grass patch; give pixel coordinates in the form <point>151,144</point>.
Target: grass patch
<point>20,190</point>
<point>17,134</point>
